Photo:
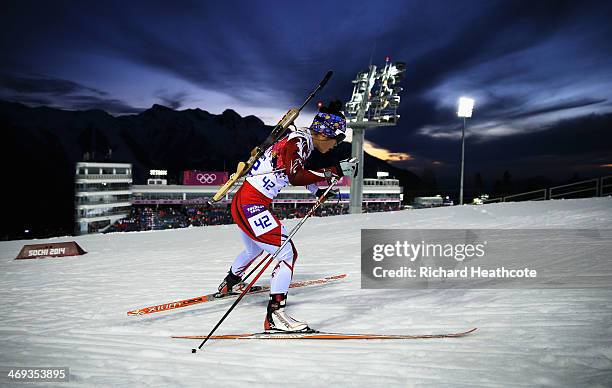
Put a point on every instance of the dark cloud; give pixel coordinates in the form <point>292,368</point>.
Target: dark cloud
<point>59,93</point>
<point>572,137</point>
<point>497,113</point>
<point>565,105</point>
<point>44,85</point>
<point>173,100</point>
<point>29,100</point>
<point>112,105</point>
<point>500,30</point>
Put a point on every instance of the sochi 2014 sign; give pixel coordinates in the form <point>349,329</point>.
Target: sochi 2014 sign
<point>204,178</point>
<point>58,249</point>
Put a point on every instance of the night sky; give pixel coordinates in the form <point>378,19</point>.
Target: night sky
<point>540,71</point>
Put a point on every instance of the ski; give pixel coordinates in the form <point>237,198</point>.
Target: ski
<point>280,128</point>
<point>214,296</point>
<point>319,335</point>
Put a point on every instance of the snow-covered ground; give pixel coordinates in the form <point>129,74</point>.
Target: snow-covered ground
<point>72,312</point>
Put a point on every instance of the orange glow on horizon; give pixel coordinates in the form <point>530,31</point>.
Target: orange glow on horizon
<point>384,154</point>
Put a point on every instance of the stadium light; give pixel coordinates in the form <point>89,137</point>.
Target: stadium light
<point>374,103</point>
<point>466,105</point>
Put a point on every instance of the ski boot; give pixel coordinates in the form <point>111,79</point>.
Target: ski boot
<point>277,320</point>
<point>232,284</point>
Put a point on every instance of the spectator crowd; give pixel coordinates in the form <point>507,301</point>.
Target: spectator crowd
<point>173,217</point>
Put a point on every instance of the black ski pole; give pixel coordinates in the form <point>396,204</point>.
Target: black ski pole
<point>234,304</point>
<point>293,232</point>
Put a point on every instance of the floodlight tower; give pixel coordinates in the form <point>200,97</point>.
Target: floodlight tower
<point>466,105</point>
<point>374,103</point>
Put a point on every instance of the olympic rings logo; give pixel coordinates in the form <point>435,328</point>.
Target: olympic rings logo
<point>206,178</point>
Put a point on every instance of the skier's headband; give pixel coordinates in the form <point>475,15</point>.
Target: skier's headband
<point>330,125</point>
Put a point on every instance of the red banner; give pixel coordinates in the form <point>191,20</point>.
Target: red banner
<point>204,178</point>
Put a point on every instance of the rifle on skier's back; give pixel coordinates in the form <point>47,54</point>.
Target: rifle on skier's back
<point>278,131</point>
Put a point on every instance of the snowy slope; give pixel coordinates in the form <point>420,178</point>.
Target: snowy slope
<point>72,311</point>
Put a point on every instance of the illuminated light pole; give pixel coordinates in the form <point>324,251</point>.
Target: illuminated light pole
<point>466,105</point>
<point>374,103</point>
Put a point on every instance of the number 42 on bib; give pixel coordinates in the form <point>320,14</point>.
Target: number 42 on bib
<point>262,223</point>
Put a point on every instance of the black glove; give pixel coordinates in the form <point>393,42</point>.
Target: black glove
<point>332,193</point>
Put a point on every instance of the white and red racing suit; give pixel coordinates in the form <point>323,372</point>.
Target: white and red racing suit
<point>259,228</point>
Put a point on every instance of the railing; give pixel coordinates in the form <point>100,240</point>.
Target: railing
<point>577,189</point>
<point>127,189</point>
<point>492,200</point>
<point>536,195</point>
<point>80,216</point>
<point>103,176</point>
<point>377,182</point>
<point>605,186</point>
<point>597,187</point>
<point>105,200</point>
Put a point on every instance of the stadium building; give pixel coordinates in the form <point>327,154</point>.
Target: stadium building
<point>103,195</point>
<point>199,186</point>
<point>106,200</point>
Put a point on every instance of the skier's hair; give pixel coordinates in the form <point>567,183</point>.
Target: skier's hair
<point>334,107</point>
